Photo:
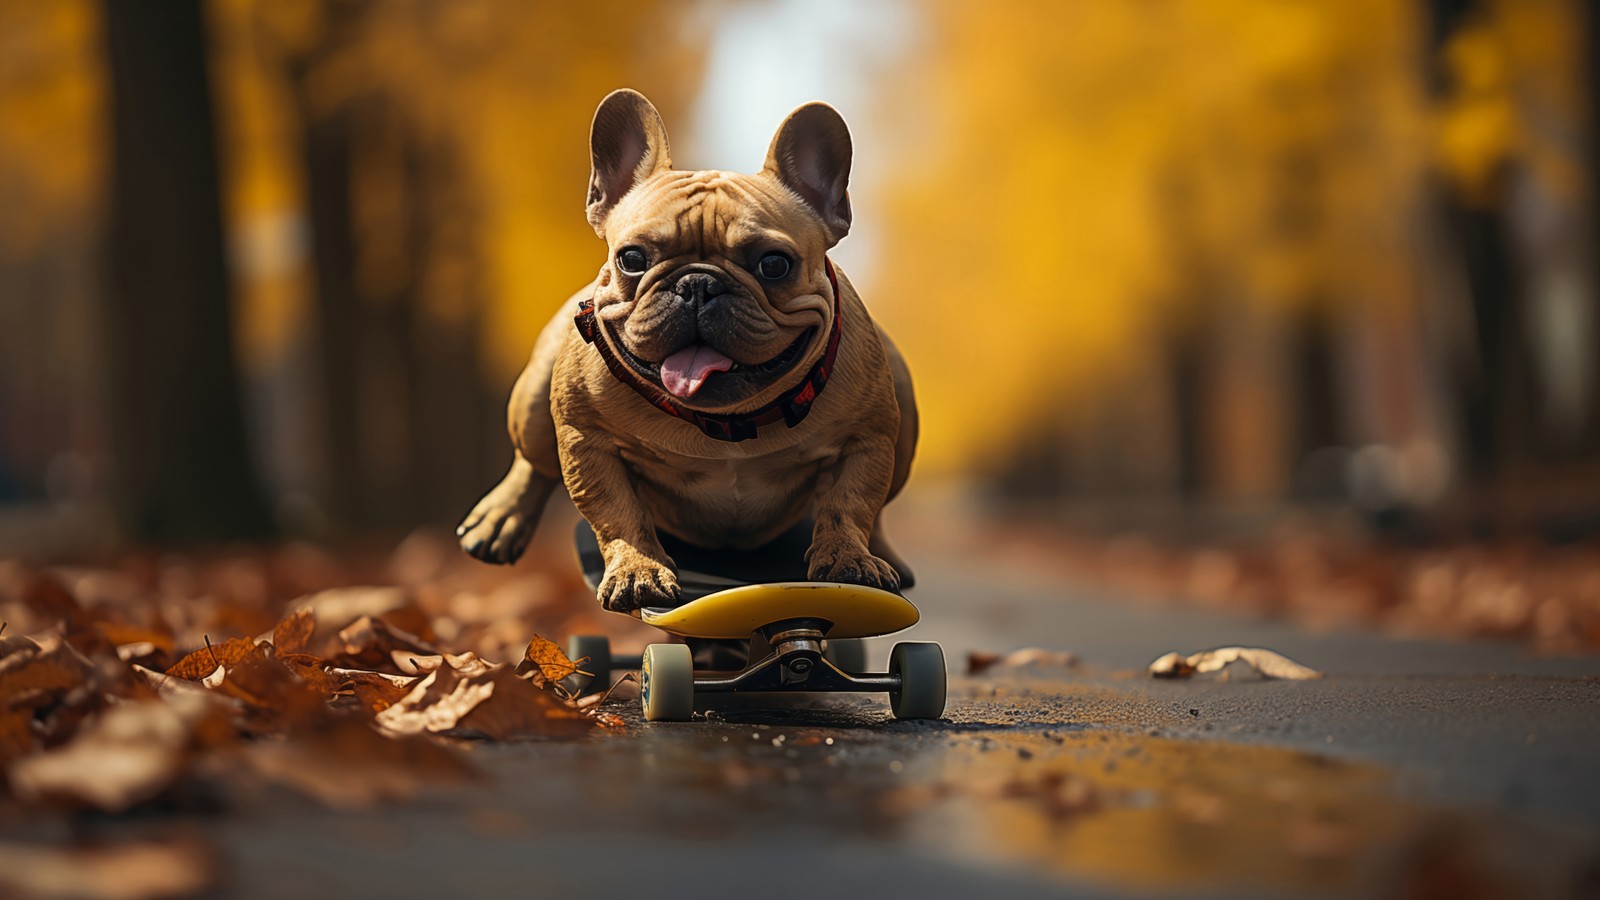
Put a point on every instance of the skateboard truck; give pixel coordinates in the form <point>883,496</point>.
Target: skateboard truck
<point>796,663</point>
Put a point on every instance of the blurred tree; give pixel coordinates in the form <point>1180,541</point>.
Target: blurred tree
<point>1515,169</point>
<point>425,149</point>
<point>182,465</point>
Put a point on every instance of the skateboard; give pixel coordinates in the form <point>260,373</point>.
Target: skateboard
<point>799,636</point>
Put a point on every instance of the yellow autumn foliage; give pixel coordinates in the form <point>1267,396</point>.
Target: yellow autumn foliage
<point>1087,165</point>
<point>1070,183</point>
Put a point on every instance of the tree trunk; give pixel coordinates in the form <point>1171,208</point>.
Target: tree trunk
<point>182,466</point>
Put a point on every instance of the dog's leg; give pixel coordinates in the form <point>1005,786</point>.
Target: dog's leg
<point>501,524</point>
<point>638,571</point>
<point>499,527</point>
<point>847,513</point>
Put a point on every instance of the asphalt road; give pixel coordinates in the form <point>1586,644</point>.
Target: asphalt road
<point>1415,768</point>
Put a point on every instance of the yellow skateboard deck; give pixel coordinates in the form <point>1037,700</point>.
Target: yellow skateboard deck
<point>853,610</point>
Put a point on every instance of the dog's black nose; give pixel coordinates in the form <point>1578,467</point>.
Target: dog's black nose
<point>698,287</point>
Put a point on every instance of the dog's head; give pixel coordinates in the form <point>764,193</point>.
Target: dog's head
<point>716,287</point>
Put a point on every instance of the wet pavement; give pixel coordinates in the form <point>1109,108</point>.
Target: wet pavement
<point>1415,768</point>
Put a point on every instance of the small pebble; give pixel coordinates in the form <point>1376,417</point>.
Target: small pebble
<point>897,767</point>
<point>1024,753</point>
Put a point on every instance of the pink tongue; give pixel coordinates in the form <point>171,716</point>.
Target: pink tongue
<point>685,371</point>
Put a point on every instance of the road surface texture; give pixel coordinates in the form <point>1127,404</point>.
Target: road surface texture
<point>1414,768</point>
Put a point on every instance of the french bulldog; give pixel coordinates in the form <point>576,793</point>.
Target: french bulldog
<point>720,380</point>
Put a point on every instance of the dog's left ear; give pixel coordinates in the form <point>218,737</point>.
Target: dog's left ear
<point>811,156</point>
<point>627,144</point>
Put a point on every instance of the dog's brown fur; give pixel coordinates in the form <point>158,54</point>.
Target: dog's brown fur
<point>632,469</point>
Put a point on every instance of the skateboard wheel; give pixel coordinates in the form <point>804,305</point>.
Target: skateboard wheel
<point>920,665</point>
<point>598,648</point>
<point>849,654</point>
<point>666,683</point>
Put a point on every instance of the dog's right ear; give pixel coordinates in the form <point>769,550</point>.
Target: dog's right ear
<point>627,144</point>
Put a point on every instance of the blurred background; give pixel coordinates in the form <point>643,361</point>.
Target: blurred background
<point>1180,271</point>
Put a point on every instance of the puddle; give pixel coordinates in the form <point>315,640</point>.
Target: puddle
<point>1152,813</point>
<point>1082,803</point>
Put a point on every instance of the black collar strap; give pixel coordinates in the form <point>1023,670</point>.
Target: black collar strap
<point>791,407</point>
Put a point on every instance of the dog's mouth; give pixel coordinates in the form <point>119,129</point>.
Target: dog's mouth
<point>700,370</point>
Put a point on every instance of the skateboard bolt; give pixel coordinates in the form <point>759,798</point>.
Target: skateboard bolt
<point>800,666</point>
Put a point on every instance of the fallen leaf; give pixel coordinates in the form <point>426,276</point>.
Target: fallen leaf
<point>496,705</point>
<point>413,619</point>
<point>138,652</point>
<point>468,663</point>
<point>120,635</point>
<point>167,685</point>
<point>10,646</point>
<point>278,699</point>
<point>548,659</point>
<point>293,633</point>
<point>41,677</point>
<point>203,662</point>
<point>141,870</point>
<point>369,642</point>
<point>44,595</point>
<point>979,661</point>
<point>374,691</point>
<point>348,766</point>
<point>130,754</point>
<point>1026,658</point>
<point>16,735</point>
<point>1267,662</point>
<point>337,607</point>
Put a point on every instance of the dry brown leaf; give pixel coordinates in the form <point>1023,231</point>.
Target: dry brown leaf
<point>550,660</point>
<point>468,663</point>
<point>166,685</point>
<point>1267,662</point>
<point>197,665</point>
<point>42,677</point>
<point>374,691</point>
<point>14,644</point>
<point>347,765</point>
<point>47,597</point>
<point>144,870</point>
<point>119,635</point>
<point>1026,658</point>
<point>130,754</point>
<point>369,642</point>
<point>335,608</point>
<point>16,735</point>
<point>979,661</point>
<point>142,653</point>
<point>279,699</point>
<point>496,705</point>
<point>293,633</point>
<point>412,619</point>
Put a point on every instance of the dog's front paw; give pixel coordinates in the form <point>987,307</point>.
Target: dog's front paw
<point>850,564</point>
<point>636,581</point>
<point>499,527</point>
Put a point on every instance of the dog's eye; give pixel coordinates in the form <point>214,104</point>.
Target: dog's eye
<point>632,261</point>
<point>773,266</point>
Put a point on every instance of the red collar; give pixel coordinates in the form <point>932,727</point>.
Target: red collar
<point>792,406</point>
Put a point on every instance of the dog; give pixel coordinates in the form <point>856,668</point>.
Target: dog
<point>720,381</point>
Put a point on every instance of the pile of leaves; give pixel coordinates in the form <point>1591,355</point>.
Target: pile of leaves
<point>1542,594</point>
<point>121,685</point>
